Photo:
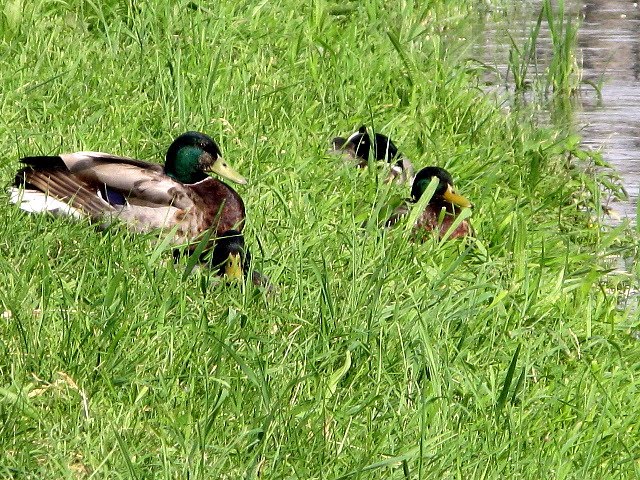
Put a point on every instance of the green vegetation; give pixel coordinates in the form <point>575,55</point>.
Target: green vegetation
<point>504,356</point>
<point>562,73</point>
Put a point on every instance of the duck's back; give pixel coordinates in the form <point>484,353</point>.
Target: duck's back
<point>107,187</point>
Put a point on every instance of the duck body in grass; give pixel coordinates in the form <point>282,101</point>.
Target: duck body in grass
<point>441,211</point>
<point>144,196</point>
<point>360,146</point>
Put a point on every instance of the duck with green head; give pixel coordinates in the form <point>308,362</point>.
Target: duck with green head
<point>441,211</point>
<point>230,258</point>
<point>180,196</point>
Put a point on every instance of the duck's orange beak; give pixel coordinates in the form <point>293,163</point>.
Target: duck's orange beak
<point>452,197</point>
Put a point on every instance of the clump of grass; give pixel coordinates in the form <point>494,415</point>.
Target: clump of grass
<point>562,75</point>
<point>563,72</point>
<point>521,59</point>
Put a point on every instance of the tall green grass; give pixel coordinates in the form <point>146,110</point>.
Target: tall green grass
<point>506,355</point>
<point>563,72</point>
<point>557,72</point>
<point>523,57</point>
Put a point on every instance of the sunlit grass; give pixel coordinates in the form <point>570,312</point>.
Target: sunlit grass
<point>506,355</point>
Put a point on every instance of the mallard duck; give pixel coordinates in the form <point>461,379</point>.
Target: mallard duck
<point>230,258</point>
<point>358,147</point>
<point>145,196</point>
<point>442,209</point>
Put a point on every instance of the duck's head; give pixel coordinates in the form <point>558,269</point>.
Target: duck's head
<point>359,145</point>
<point>192,155</point>
<point>230,257</point>
<point>444,193</point>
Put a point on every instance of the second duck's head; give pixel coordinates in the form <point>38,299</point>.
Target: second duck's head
<point>230,257</point>
<point>192,155</point>
<point>445,193</point>
<point>359,145</point>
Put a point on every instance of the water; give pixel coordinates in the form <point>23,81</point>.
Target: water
<point>609,53</point>
<point>609,40</point>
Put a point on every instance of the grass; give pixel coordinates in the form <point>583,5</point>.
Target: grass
<point>504,356</point>
<point>523,57</point>
<point>562,74</point>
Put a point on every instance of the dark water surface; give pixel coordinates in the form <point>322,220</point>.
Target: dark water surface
<point>608,52</point>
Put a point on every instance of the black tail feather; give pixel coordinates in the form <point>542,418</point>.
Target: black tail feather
<point>19,179</point>
<point>42,162</point>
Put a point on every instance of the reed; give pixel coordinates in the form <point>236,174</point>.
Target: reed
<point>563,72</point>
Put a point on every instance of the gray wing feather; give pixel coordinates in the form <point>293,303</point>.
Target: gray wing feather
<point>140,181</point>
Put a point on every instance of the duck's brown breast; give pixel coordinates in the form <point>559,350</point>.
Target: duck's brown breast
<point>433,220</point>
<point>217,204</point>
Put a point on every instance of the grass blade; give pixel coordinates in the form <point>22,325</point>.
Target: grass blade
<point>507,381</point>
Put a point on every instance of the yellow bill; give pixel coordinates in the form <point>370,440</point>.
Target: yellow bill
<point>222,168</point>
<point>233,267</point>
<point>452,197</point>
